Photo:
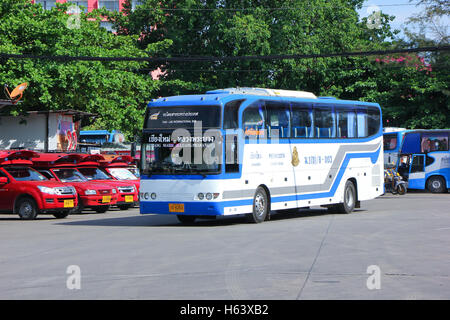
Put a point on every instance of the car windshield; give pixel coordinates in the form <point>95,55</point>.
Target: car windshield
<point>69,175</point>
<point>122,174</point>
<point>25,174</point>
<point>94,174</point>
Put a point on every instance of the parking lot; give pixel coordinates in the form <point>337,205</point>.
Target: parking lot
<point>309,255</point>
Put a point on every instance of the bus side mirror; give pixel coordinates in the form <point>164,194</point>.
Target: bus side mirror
<point>3,180</point>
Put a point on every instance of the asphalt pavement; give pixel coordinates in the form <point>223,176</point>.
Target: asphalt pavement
<point>393,247</point>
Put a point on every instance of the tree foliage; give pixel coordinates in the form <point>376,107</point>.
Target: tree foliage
<point>412,90</point>
<point>112,90</point>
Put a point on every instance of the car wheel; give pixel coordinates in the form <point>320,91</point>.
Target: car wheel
<point>101,209</point>
<point>61,215</point>
<point>27,209</point>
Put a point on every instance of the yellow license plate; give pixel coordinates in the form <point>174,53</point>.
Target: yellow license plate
<point>68,204</point>
<point>176,207</point>
<point>106,199</point>
<point>128,198</point>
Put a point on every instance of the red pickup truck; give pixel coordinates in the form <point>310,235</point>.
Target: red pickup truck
<point>90,167</point>
<point>121,168</point>
<point>28,193</point>
<point>63,168</point>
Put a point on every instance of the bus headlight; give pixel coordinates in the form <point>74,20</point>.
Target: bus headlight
<point>200,196</point>
<point>209,196</point>
<point>153,196</point>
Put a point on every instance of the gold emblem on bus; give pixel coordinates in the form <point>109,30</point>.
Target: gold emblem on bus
<point>295,161</point>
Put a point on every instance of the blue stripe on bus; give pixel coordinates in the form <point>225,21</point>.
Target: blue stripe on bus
<point>217,208</point>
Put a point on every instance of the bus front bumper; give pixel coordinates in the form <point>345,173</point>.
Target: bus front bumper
<point>199,208</point>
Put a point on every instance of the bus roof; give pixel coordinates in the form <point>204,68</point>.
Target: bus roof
<point>221,96</point>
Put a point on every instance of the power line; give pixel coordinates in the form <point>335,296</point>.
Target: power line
<point>269,8</point>
<point>65,58</point>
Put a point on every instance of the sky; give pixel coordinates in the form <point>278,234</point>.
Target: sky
<point>401,9</point>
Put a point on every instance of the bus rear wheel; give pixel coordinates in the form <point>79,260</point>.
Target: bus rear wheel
<point>349,199</point>
<point>436,184</point>
<point>260,206</point>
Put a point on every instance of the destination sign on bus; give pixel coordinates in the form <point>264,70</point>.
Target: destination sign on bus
<point>183,117</point>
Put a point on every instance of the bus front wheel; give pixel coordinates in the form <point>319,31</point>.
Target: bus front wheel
<point>436,184</point>
<point>260,206</point>
<point>349,199</point>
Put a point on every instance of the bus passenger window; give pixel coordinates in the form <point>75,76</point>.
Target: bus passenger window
<point>277,119</point>
<point>373,121</point>
<point>362,123</point>
<point>346,123</point>
<point>301,121</point>
<point>253,119</point>
<point>324,123</point>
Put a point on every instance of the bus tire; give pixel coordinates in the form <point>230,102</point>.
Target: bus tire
<point>349,199</point>
<point>436,184</point>
<point>260,206</point>
<point>26,208</point>
<point>185,219</point>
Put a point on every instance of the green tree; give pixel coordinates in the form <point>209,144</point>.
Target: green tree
<point>114,90</point>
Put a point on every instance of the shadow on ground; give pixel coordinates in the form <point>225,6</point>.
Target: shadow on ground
<point>172,221</point>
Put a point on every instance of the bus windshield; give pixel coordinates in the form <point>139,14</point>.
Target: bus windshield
<point>175,141</point>
<point>186,154</point>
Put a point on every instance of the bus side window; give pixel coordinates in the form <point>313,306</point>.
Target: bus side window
<point>361,116</point>
<point>346,123</point>
<point>277,119</point>
<point>253,119</point>
<point>301,121</point>
<point>324,123</point>
<point>373,121</point>
<point>231,114</point>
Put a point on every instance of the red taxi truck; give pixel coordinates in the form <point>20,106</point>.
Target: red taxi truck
<point>120,167</point>
<point>63,168</point>
<point>127,194</point>
<point>28,193</point>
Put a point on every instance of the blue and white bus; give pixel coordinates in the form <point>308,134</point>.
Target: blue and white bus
<point>424,160</point>
<point>392,139</point>
<point>257,150</point>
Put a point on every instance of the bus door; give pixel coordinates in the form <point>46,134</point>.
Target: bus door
<point>416,178</point>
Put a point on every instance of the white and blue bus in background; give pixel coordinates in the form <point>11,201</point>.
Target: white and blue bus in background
<point>392,139</point>
<point>424,160</point>
<point>254,150</point>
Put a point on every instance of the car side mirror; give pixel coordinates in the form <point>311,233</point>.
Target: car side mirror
<point>3,180</point>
